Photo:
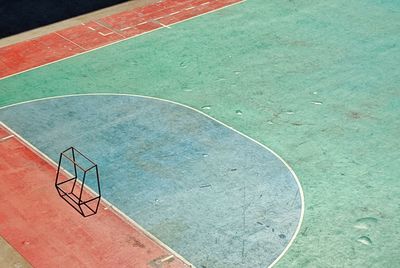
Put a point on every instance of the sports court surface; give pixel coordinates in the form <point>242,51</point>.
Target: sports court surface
<point>227,134</point>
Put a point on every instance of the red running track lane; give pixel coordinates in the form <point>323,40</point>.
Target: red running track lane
<point>93,34</point>
<point>47,232</point>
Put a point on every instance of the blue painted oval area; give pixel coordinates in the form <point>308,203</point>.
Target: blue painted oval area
<point>213,195</point>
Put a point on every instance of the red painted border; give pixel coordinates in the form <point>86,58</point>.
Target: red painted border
<point>47,232</point>
<point>93,34</point>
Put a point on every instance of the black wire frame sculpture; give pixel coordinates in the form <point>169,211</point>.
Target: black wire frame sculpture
<point>76,171</point>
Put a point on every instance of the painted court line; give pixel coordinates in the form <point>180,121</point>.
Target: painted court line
<point>163,25</point>
<point>126,28</point>
<point>15,62</point>
<point>105,26</point>
<point>105,34</point>
<point>6,138</point>
<point>301,193</point>
<point>176,12</point>
<point>121,225</point>
<point>66,39</point>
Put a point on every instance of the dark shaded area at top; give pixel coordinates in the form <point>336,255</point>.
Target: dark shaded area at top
<point>18,16</point>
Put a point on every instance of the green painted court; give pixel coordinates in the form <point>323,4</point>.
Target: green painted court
<point>317,83</point>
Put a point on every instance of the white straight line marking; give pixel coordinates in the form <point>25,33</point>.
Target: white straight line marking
<point>216,120</point>
<point>126,28</point>
<point>108,28</point>
<point>142,23</point>
<point>105,34</point>
<point>206,3</point>
<point>91,28</point>
<point>118,41</point>
<point>60,35</point>
<point>163,25</point>
<point>189,8</point>
<point>167,258</point>
<point>6,138</point>
<point>208,12</point>
<point>109,205</point>
<point>174,13</point>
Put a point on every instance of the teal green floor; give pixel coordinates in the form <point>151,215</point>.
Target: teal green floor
<point>316,81</point>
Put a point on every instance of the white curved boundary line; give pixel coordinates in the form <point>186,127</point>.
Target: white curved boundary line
<point>204,114</point>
